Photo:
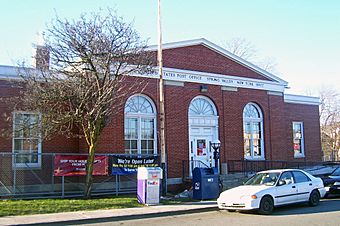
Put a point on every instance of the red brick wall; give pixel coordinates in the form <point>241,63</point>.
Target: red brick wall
<point>112,139</point>
<point>55,144</point>
<point>234,103</point>
<point>277,128</point>
<point>7,89</point>
<point>201,58</point>
<point>309,115</point>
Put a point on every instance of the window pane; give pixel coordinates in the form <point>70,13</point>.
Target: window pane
<point>22,158</point>
<point>287,177</point>
<point>201,106</point>
<point>300,177</point>
<point>138,104</point>
<point>256,127</point>
<point>298,139</point>
<point>250,111</point>
<point>247,147</point>
<point>144,144</point>
<point>18,144</point>
<point>150,145</point>
<point>257,147</point>
<point>133,144</point>
<point>34,158</point>
<point>147,129</point>
<point>18,132</point>
<point>34,144</point>
<point>252,134</point>
<point>247,127</point>
<point>26,144</point>
<point>133,152</point>
<point>131,128</point>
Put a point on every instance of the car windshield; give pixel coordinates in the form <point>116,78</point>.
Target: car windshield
<point>336,172</point>
<point>268,179</point>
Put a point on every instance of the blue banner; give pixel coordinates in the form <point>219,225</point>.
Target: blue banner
<point>125,165</point>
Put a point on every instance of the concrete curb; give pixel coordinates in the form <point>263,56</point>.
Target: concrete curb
<point>87,217</point>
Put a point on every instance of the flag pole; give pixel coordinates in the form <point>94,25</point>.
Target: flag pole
<point>161,102</point>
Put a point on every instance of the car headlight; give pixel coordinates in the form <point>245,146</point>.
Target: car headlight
<point>248,197</point>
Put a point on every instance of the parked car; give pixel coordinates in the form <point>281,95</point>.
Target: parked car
<point>332,182</point>
<point>271,188</point>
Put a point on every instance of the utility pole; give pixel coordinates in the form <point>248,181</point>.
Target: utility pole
<point>161,103</point>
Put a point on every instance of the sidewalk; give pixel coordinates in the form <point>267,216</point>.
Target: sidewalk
<point>82,217</point>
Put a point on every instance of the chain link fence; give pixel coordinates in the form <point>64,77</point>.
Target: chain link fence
<point>24,179</point>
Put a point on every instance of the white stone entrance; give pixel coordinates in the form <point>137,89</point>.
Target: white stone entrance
<point>203,129</point>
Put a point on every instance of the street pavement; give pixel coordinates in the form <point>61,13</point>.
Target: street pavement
<point>85,217</point>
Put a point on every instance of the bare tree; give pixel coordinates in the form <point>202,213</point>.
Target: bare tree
<point>241,47</point>
<point>330,122</point>
<point>90,59</point>
<point>247,51</point>
<point>268,64</point>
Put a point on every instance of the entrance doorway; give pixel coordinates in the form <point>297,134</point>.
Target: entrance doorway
<point>203,129</point>
<point>200,150</point>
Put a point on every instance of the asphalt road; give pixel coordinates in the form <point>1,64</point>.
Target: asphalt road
<point>326,213</point>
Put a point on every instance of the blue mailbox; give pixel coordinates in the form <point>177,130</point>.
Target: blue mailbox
<point>205,183</point>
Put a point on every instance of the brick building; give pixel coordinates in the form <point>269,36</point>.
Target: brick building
<point>209,94</point>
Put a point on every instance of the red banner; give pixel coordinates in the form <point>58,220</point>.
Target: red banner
<point>75,165</point>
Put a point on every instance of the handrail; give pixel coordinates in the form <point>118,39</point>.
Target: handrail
<point>193,163</point>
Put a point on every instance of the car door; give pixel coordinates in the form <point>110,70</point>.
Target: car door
<point>285,190</point>
<point>304,185</point>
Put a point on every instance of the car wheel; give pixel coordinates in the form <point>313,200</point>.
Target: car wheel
<point>314,198</point>
<point>266,205</point>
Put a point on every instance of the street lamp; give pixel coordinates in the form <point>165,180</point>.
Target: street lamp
<point>216,144</point>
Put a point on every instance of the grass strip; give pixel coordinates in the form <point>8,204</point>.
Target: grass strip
<point>42,206</point>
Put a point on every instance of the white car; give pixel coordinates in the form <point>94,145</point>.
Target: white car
<point>271,188</point>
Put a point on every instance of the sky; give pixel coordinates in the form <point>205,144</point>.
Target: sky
<point>303,36</point>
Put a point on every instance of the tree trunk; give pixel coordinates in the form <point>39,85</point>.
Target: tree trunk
<point>89,171</point>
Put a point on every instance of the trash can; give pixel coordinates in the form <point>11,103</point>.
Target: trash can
<point>205,183</point>
<point>148,184</point>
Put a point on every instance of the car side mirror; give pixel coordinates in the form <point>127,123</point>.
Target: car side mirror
<point>281,182</point>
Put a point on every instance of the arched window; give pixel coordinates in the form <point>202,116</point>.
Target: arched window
<point>140,126</point>
<point>253,132</point>
<point>201,107</point>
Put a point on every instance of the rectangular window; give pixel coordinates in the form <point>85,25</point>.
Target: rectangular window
<point>247,138</point>
<point>131,135</point>
<point>26,142</point>
<point>252,140</point>
<point>298,140</point>
<point>147,136</point>
<point>257,139</point>
<point>139,135</point>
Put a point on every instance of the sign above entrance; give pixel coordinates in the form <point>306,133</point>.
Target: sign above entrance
<point>217,79</point>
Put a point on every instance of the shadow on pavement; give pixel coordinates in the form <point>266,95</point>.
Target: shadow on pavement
<point>325,206</point>
<point>125,218</point>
